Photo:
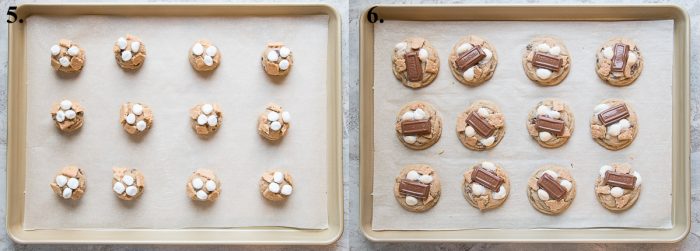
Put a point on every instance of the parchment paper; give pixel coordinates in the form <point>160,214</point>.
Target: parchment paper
<point>519,154</point>
<point>171,150</point>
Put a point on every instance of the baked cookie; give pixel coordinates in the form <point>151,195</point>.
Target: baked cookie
<point>135,118</point>
<point>473,60</point>
<point>486,185</point>
<point>551,123</point>
<point>129,52</point>
<point>203,185</point>
<point>69,183</point>
<point>619,62</point>
<point>277,59</point>
<point>417,188</point>
<point>614,124</point>
<point>204,56</point>
<point>206,118</point>
<point>127,183</point>
<point>617,186</point>
<point>546,61</point>
<point>276,185</point>
<point>68,115</point>
<point>67,56</point>
<point>415,62</point>
<point>273,123</point>
<point>418,125</point>
<point>481,126</point>
<point>551,189</point>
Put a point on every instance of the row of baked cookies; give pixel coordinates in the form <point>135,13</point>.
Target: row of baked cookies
<point>482,126</point>
<point>486,185</point>
<point>546,61</point>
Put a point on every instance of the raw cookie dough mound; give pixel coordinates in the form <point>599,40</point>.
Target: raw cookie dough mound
<point>481,126</point>
<point>619,62</point>
<point>418,125</point>
<point>127,183</point>
<point>68,115</point>
<point>67,56</point>
<point>486,185</point>
<point>546,61</point>
<point>415,62</point>
<point>614,124</point>
<point>129,52</point>
<point>473,60</point>
<point>276,185</point>
<point>551,189</point>
<point>417,188</point>
<point>277,59</point>
<point>273,123</point>
<point>135,118</point>
<point>206,118</point>
<point>617,186</point>
<point>204,56</point>
<point>69,183</point>
<point>203,185</point>
<point>551,123</point>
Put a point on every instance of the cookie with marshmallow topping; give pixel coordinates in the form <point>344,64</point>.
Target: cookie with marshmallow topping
<point>415,62</point>
<point>67,56</point>
<point>127,183</point>
<point>547,202</point>
<point>417,188</point>
<point>619,62</point>
<point>417,112</point>
<point>129,52</point>
<point>69,183</point>
<point>67,115</point>
<point>204,56</point>
<point>276,185</point>
<point>546,61</point>
<point>541,122</point>
<point>277,59</point>
<point>136,118</point>
<point>206,118</point>
<point>480,196</point>
<point>273,123</point>
<point>617,134</point>
<point>463,60</point>
<point>472,134</point>
<point>616,196</point>
<point>203,185</point>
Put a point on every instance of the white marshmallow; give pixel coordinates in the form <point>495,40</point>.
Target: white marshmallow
<point>135,46</point>
<point>60,116</point>
<point>419,114</point>
<point>207,108</point>
<point>631,58</point>
<point>201,119</point>
<point>211,51</point>
<point>273,116</point>
<point>617,192</point>
<point>202,195</point>
<point>286,117</point>
<point>61,180</point>
<point>273,187</point>
<point>128,180</point>
<point>469,74</point>
<point>639,179</point>
<point>500,194</point>
<point>208,60</point>
<point>566,184</point>
<point>284,64</point>
<point>73,183</point>
<point>400,46</point>
<point>412,175</point>
<point>141,125</point>
<point>121,42</point>
<point>543,195</point>
<point>210,185</point>
<point>132,190</point>
<point>554,114</point>
<point>278,177</point>
<point>545,136</point>
<point>286,190</point>
<point>65,62</point>
<point>197,183</point>
<point>488,141</point>
<point>70,114</point>
<point>614,129</point>
<point>118,187</point>
<point>130,119</point>
<point>410,139</point>
<point>423,54</point>
<point>608,52</point>
<point>284,52</point>
<point>469,131</point>
<point>67,193</point>
<point>543,73</point>
<point>73,51</point>
<point>483,112</point>
<point>425,179</point>
<point>624,123</point>
<point>487,57</point>
<point>55,49</point>
<point>543,110</point>
<point>464,48</point>
<point>272,56</point>
<point>411,201</point>
<point>66,104</point>
<point>197,49</point>
<point>555,50</point>
<point>600,107</point>
<point>275,126</point>
<point>126,55</point>
<point>488,165</point>
<point>551,173</point>
<point>477,189</point>
<point>213,120</point>
<point>409,115</point>
<point>137,109</point>
<point>604,169</point>
<point>543,47</point>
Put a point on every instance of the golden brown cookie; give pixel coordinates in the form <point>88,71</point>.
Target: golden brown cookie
<point>67,56</point>
<point>473,60</point>
<point>273,123</point>
<point>417,188</point>
<point>135,118</point>
<point>550,123</point>
<point>551,189</point>
<point>482,126</point>
<point>68,115</point>
<point>206,118</point>
<point>415,62</point>
<point>69,183</point>
<point>620,127</point>
<point>129,52</point>
<point>276,185</point>
<point>203,185</point>
<point>418,125</point>
<point>486,185</point>
<point>546,61</point>
<point>277,59</point>
<point>204,56</point>
<point>127,183</point>
<point>619,62</point>
<point>617,186</point>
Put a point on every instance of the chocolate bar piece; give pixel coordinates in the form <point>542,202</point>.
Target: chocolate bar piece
<point>553,126</point>
<point>487,178</point>
<point>546,61</point>
<point>470,58</point>
<point>418,127</point>
<point>622,180</point>
<point>481,126</point>
<point>613,114</point>
<point>414,189</point>
<point>413,67</point>
<point>550,185</point>
<point>619,59</point>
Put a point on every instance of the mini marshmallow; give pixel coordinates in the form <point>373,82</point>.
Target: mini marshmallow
<point>141,125</point>
<point>543,73</point>
<point>488,56</point>
<point>543,195</point>
<point>211,51</point>
<point>551,173</point>
<point>284,64</point>
<point>554,114</point>
<point>60,116</point>
<point>604,169</point>
<point>273,116</point>
<point>425,179</point>
<point>500,194</point>
<point>631,58</point>
<point>121,42</point>
<point>126,55</point>
<point>65,62</point>
<point>61,180</point>
<point>55,49</point>
<point>272,56</point>
<point>202,195</point>
<point>545,136</point>
<point>210,185</point>
<point>423,54</point>
<point>543,110</point>
<point>208,60</point>
<point>70,114</point>
<point>66,104</point>
<point>128,180</point>
<point>464,48</point>
<point>555,50</point>
<point>197,49</point>
<point>410,139</point>
<point>118,188</point>
<point>419,114</point>
<point>132,190</point>
<point>543,47</point>
<point>409,115</point>
<point>483,112</point>
<point>614,129</point>
<point>201,119</point>
<point>608,52</point>
<point>197,183</point>
<point>469,74</point>
<point>73,51</point>
<point>130,119</point>
<point>135,46</point>
<point>286,116</point>
<point>284,52</point>
<point>566,184</point>
<point>275,126</point>
<point>488,165</point>
<point>137,109</point>
<point>278,177</point>
<point>212,120</point>
<point>274,187</point>
<point>400,46</point>
<point>286,190</point>
<point>639,179</point>
<point>488,141</point>
<point>67,193</point>
<point>600,107</point>
<point>412,175</point>
<point>207,108</point>
<point>617,192</point>
<point>624,123</point>
<point>411,201</point>
<point>477,189</point>
<point>469,131</point>
<point>73,183</point>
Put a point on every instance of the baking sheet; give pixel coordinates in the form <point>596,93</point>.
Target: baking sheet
<point>650,96</point>
<point>171,150</point>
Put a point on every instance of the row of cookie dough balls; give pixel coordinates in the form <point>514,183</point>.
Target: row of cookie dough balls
<point>546,61</point>
<point>206,119</point>
<point>203,185</point>
<point>130,53</point>
<point>486,185</point>
<point>481,126</point>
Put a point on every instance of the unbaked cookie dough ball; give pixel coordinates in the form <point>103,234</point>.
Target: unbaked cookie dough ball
<point>206,118</point>
<point>136,118</point>
<point>614,124</point>
<point>473,60</point>
<point>277,59</point>
<point>481,126</point>
<point>486,185</point>
<point>203,185</point>
<point>551,189</point>
<point>67,115</point>
<point>415,62</point>
<point>551,123</point>
<point>418,125</point>
<point>67,56</point>
<point>546,61</point>
<point>417,188</point>
<point>69,183</point>
<point>129,52</point>
<point>127,183</point>
<point>276,185</point>
<point>204,56</point>
<point>619,62</point>
<point>273,123</point>
<point>617,186</point>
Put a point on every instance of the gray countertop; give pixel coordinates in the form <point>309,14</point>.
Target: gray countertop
<point>352,237</point>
